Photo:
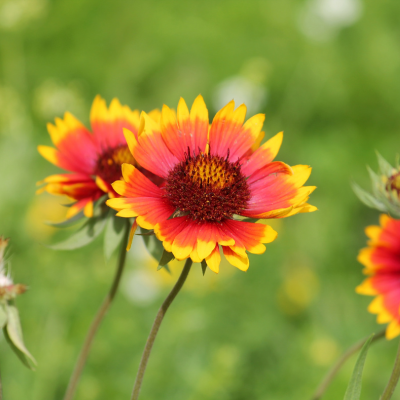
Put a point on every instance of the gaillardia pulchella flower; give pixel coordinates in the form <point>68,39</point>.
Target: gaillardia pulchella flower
<point>382,262</point>
<point>94,159</point>
<point>385,194</point>
<point>214,176</point>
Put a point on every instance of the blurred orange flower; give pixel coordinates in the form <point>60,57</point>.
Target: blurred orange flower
<point>94,159</point>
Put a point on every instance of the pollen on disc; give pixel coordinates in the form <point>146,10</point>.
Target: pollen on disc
<point>207,188</point>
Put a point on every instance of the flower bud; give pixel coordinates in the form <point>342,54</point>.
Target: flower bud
<point>385,194</point>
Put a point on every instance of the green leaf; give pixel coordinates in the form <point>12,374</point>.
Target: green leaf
<point>165,259</point>
<point>114,234</point>
<point>13,334</point>
<point>154,246</point>
<point>85,235</point>
<point>204,266</point>
<point>68,222</point>
<point>3,315</point>
<point>353,391</point>
<point>367,198</point>
<point>384,166</point>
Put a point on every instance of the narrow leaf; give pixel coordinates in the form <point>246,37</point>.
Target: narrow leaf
<point>154,246</point>
<point>165,259</point>
<point>13,333</point>
<point>204,266</point>
<point>384,166</point>
<point>353,391</point>
<point>367,198</point>
<point>3,316</point>
<point>68,222</point>
<point>86,234</point>
<point>113,235</point>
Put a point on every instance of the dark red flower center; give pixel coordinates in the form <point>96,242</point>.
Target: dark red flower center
<point>108,165</point>
<point>207,188</point>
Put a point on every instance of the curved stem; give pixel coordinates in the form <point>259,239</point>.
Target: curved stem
<point>1,390</point>
<point>335,369</point>
<point>394,378</point>
<point>76,374</point>
<point>156,325</point>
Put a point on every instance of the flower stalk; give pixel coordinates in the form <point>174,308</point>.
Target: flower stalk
<point>328,378</point>
<point>76,374</point>
<point>156,325</point>
<point>394,378</point>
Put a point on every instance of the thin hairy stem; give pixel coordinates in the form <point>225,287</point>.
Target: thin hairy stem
<point>156,325</point>
<point>76,374</point>
<point>394,378</point>
<point>336,368</point>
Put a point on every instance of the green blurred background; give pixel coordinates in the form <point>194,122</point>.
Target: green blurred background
<point>324,71</point>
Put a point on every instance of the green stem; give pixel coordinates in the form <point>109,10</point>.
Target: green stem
<point>76,374</point>
<point>1,390</point>
<point>336,368</point>
<point>156,325</point>
<point>394,378</point>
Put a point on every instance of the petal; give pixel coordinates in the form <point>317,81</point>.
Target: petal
<point>186,132</point>
<point>131,235</point>
<point>276,167</point>
<point>76,148</point>
<point>263,156</point>
<point>143,199</point>
<point>209,235</point>
<point>393,330</point>
<point>228,135</point>
<point>85,204</point>
<point>214,259</point>
<point>278,195</point>
<point>235,259</point>
<point>367,288</point>
<point>108,123</point>
<point>166,231</point>
<point>249,236</point>
<point>149,149</point>
<point>185,241</point>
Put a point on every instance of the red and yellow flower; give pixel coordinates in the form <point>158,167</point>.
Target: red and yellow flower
<point>382,262</point>
<point>94,159</point>
<point>214,175</point>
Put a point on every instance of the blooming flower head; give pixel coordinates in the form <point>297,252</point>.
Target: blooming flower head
<point>382,263</point>
<point>93,159</point>
<point>214,176</point>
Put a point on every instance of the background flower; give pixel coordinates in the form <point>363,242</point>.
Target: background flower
<point>94,159</point>
<point>382,262</point>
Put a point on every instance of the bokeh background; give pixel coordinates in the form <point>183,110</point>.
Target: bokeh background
<point>324,71</point>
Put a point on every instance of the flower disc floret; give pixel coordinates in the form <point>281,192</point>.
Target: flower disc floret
<point>207,188</point>
<point>108,166</point>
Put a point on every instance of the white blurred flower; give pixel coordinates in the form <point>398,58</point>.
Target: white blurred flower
<point>52,99</point>
<point>13,116</point>
<point>247,87</point>
<point>322,20</point>
<point>141,287</point>
<point>14,13</point>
